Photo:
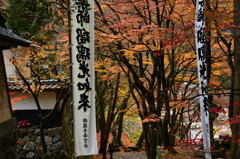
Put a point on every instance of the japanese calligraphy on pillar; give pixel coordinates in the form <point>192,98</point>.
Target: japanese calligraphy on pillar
<point>202,74</point>
<point>82,57</point>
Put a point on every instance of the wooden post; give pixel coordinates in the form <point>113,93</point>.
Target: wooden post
<point>5,103</point>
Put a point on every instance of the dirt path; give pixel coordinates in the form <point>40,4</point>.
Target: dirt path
<point>130,155</point>
<point>126,141</point>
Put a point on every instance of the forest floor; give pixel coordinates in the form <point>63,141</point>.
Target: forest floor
<point>183,152</point>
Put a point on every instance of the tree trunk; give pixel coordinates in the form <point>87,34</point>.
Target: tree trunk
<point>120,117</point>
<point>106,131</point>
<point>44,146</point>
<point>154,140</point>
<point>103,137</point>
<point>236,109</point>
<point>147,142</point>
<point>208,43</point>
<point>140,140</point>
<point>120,128</point>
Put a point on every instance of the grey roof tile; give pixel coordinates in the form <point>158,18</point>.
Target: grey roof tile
<point>46,85</point>
<point>6,35</point>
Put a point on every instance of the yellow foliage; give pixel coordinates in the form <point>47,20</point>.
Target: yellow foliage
<point>128,53</point>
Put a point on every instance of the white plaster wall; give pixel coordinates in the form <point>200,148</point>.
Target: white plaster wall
<point>10,69</point>
<point>47,101</point>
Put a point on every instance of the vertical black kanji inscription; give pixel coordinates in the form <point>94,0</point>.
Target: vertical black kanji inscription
<point>83,37</point>
<point>85,135</point>
<point>200,16</point>
<point>83,12</point>
<point>202,53</point>
<point>82,57</point>
<point>84,86</point>
<point>83,53</point>
<point>200,36</point>
<point>83,66</point>
<point>203,87</point>
<point>84,102</point>
<point>203,70</point>
<point>205,105</point>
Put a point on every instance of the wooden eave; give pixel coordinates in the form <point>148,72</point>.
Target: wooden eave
<point>9,39</point>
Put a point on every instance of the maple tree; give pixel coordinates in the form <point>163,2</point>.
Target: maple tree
<point>150,40</point>
<point>222,19</point>
<point>111,98</point>
<point>219,15</point>
<point>49,58</point>
<point>222,25</point>
<point>34,84</point>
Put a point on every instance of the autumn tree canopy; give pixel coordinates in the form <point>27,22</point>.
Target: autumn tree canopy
<point>46,24</point>
<point>154,43</point>
<point>145,51</point>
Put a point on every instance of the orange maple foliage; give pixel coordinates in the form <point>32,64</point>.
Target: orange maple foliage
<point>15,98</point>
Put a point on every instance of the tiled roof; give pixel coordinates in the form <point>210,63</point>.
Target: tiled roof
<point>46,85</point>
<point>12,39</point>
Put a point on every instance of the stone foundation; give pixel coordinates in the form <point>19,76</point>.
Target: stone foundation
<point>29,144</point>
